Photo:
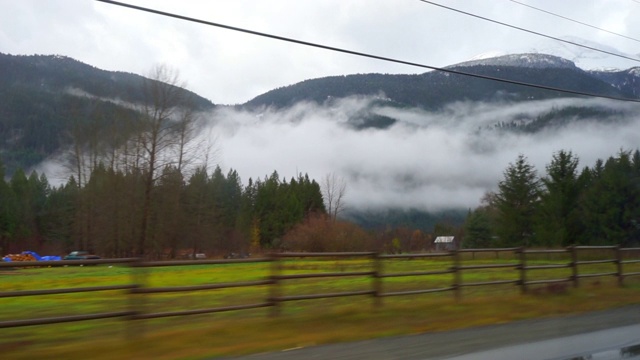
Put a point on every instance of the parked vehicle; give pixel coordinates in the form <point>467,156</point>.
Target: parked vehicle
<point>237,256</point>
<point>81,255</point>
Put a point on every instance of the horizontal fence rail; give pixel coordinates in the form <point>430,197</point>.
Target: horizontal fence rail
<point>381,275</point>
<point>374,264</point>
<point>276,297</point>
<point>43,292</point>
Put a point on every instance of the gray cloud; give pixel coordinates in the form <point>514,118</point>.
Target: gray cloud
<point>426,160</point>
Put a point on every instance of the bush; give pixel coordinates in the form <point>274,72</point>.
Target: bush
<point>321,234</point>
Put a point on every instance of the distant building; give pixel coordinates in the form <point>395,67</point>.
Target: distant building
<point>445,243</point>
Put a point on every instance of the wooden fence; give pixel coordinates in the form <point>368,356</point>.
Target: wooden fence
<point>376,273</point>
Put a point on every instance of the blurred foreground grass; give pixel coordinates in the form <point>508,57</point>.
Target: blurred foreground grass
<point>301,323</point>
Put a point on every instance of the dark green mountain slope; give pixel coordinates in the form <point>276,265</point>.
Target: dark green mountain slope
<point>58,73</point>
<point>43,97</point>
<point>433,90</point>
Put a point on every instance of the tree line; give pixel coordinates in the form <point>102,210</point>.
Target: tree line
<point>597,205</point>
<point>215,213</point>
<point>205,212</point>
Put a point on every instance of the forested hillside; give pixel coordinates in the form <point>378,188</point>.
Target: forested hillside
<point>432,90</point>
<point>45,99</point>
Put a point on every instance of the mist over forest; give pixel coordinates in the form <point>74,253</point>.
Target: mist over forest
<point>417,156</point>
<point>425,160</point>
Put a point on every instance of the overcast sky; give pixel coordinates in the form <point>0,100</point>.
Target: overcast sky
<point>428,160</point>
<point>229,67</point>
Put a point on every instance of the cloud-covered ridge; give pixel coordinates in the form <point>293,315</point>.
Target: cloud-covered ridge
<point>426,160</point>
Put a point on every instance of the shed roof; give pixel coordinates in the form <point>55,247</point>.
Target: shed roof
<point>444,239</point>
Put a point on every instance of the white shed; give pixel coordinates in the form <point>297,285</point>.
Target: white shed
<point>445,243</point>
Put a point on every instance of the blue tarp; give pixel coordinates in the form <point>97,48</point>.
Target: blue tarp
<point>36,256</point>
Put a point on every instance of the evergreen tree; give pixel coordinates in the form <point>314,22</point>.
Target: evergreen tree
<point>279,205</point>
<point>25,219</point>
<point>477,230</point>
<point>59,214</point>
<point>8,206</point>
<point>558,219</point>
<point>516,203</point>
<point>167,213</point>
<point>610,208</point>
<point>200,213</point>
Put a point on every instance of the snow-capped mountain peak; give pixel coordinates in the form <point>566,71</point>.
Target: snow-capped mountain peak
<point>530,60</point>
<point>583,57</point>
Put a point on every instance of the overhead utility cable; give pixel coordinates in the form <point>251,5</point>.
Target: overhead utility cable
<point>572,20</point>
<point>356,53</point>
<point>530,31</point>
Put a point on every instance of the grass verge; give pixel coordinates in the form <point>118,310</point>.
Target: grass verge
<point>302,323</point>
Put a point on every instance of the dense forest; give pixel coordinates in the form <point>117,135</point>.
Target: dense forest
<point>214,213</point>
<point>211,213</point>
<point>597,205</point>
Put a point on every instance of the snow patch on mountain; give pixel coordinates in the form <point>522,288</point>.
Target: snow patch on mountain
<point>581,56</point>
<point>529,60</point>
<point>488,55</point>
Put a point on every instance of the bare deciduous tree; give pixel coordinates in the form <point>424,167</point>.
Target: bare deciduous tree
<point>334,188</point>
<point>167,128</point>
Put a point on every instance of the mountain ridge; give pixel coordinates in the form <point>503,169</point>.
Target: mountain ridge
<point>431,90</point>
<point>58,72</point>
<point>40,91</point>
<point>45,96</point>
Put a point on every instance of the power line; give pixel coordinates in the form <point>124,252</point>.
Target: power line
<point>356,53</point>
<point>529,31</point>
<point>575,21</point>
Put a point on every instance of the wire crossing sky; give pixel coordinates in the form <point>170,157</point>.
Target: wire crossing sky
<point>231,68</point>
<point>576,21</point>
<point>531,32</point>
<point>357,53</point>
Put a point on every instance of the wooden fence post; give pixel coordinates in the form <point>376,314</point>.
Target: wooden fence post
<point>574,265</point>
<point>619,265</point>
<point>377,280</point>
<point>274,288</point>
<point>457,276</point>
<point>137,301</point>
<point>523,270</point>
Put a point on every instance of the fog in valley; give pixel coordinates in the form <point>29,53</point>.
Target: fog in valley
<point>426,160</point>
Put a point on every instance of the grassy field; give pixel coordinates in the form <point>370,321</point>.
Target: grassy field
<point>301,323</point>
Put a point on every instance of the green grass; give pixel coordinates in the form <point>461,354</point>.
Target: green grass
<point>301,323</point>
